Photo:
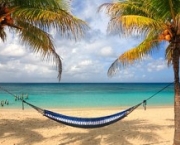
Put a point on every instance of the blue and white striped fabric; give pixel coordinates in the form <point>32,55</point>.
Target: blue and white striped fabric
<point>88,122</point>
<point>85,122</point>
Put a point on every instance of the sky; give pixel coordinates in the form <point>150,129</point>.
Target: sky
<point>85,60</point>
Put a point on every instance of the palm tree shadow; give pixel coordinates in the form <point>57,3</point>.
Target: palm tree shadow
<point>170,120</point>
<point>119,133</point>
<point>24,129</point>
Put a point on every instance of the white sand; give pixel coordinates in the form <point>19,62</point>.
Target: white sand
<point>151,127</point>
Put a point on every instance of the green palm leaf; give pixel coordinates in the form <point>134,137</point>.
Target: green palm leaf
<point>168,54</point>
<point>131,24</point>
<point>2,34</point>
<point>135,54</point>
<point>41,43</point>
<point>32,20</point>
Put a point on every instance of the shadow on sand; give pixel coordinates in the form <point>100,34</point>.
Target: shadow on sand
<point>25,129</point>
<point>116,134</point>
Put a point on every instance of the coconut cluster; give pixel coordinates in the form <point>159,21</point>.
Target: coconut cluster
<point>165,35</point>
<point>5,15</point>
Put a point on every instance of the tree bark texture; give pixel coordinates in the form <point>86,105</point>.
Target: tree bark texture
<point>175,57</point>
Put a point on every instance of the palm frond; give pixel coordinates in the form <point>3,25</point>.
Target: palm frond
<point>41,43</point>
<point>135,54</point>
<point>114,68</point>
<point>168,54</point>
<point>2,34</point>
<point>34,19</point>
<point>162,9</point>
<point>53,4</point>
<point>129,24</point>
<point>125,8</point>
<point>53,15</point>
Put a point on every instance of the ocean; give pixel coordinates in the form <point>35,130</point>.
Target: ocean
<point>86,95</point>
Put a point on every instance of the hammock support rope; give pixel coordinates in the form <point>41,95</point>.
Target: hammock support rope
<point>85,122</point>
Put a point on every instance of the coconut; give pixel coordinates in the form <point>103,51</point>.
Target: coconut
<point>9,21</point>
<point>166,32</point>
<point>6,10</point>
<point>8,17</point>
<point>161,37</point>
<point>168,37</point>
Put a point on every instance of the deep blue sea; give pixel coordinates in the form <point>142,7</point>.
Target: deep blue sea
<point>87,95</point>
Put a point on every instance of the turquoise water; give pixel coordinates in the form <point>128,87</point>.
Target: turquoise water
<point>87,95</point>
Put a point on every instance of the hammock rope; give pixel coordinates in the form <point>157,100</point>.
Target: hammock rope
<point>87,122</point>
<point>84,122</point>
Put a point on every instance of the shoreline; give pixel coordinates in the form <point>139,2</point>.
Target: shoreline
<point>87,112</point>
<point>84,108</point>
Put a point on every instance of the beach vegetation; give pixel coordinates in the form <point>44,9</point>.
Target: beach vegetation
<point>32,21</point>
<point>156,21</point>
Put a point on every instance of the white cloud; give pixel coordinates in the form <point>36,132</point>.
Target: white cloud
<point>13,50</point>
<point>106,51</point>
<point>85,63</point>
<point>31,68</point>
<point>157,65</point>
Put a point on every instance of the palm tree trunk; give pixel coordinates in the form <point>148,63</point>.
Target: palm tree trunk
<point>176,94</point>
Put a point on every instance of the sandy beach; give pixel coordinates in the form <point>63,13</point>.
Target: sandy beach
<point>153,126</point>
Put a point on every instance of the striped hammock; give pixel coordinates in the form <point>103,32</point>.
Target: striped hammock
<point>85,122</point>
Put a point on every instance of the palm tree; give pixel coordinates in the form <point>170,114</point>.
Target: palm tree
<point>157,21</point>
<point>32,20</point>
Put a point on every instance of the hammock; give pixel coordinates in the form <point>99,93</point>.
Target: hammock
<point>85,122</point>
